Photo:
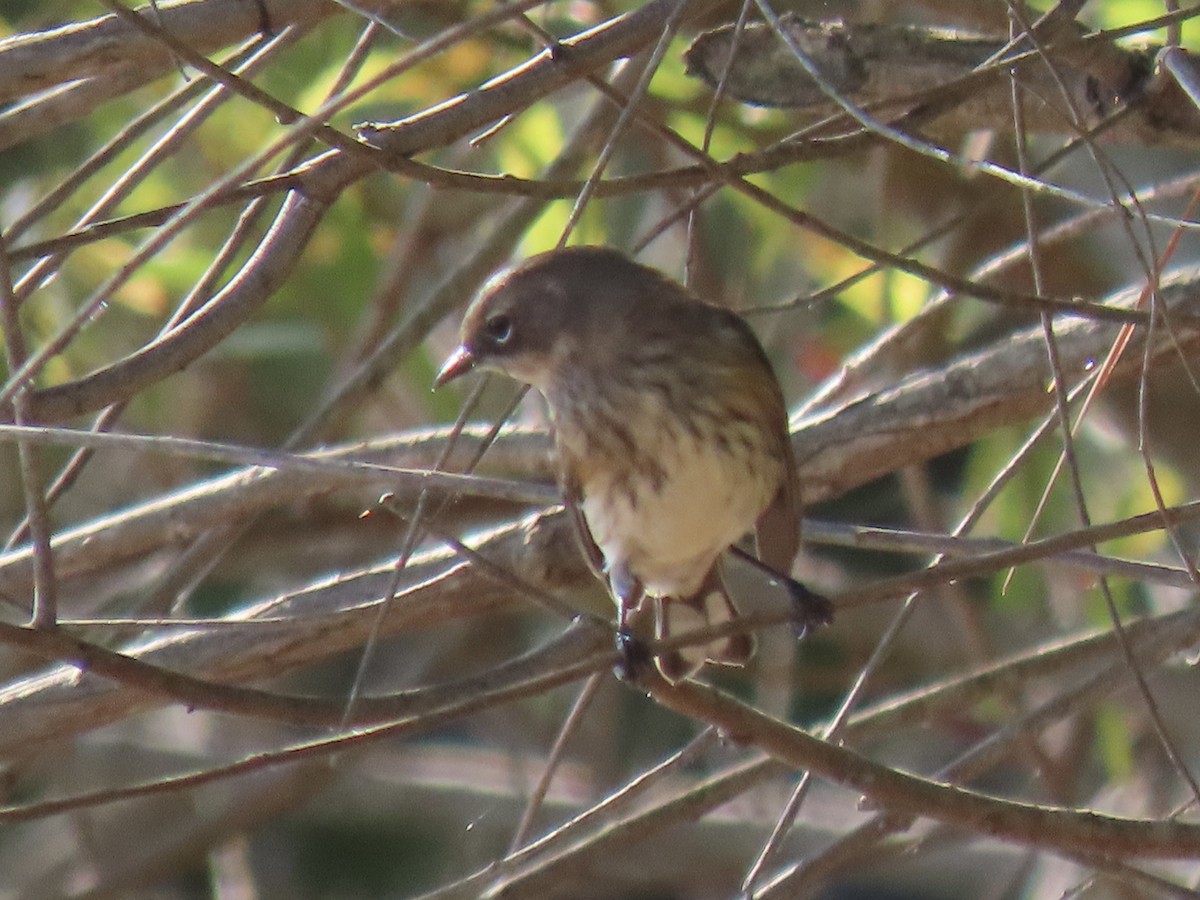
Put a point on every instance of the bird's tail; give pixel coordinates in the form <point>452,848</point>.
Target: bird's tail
<point>711,605</point>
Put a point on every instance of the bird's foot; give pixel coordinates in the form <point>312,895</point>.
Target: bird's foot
<point>635,656</point>
<point>811,609</point>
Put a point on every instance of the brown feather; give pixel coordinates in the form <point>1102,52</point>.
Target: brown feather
<point>572,496</point>
<point>670,424</point>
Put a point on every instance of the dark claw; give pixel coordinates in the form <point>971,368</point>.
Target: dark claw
<point>812,610</point>
<point>635,656</point>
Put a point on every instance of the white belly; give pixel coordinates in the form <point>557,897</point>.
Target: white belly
<point>670,537</point>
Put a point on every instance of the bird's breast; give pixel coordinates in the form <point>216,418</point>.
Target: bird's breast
<point>672,493</point>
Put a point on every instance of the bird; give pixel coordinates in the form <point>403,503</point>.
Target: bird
<point>671,434</point>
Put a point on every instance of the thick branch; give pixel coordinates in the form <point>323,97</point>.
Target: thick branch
<point>902,794</point>
<point>321,182</point>
<point>104,57</point>
<point>897,67</point>
<point>920,417</point>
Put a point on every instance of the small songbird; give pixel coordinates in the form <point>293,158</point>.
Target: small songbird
<point>671,433</point>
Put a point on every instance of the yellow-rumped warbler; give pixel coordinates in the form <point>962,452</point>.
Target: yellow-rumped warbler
<point>671,431</point>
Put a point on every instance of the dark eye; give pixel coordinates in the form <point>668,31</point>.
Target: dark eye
<point>498,329</point>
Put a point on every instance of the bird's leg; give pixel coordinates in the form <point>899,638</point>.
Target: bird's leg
<point>628,592</point>
<point>812,610</point>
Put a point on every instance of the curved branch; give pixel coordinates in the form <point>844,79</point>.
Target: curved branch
<point>105,57</point>
<point>254,284</point>
<point>902,794</point>
<point>895,65</point>
<point>916,419</point>
<point>322,181</point>
<point>268,639</point>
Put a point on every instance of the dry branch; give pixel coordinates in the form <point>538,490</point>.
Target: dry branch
<point>92,673</point>
<point>1044,827</point>
<point>922,416</point>
<point>890,69</point>
<point>60,75</point>
<point>323,179</point>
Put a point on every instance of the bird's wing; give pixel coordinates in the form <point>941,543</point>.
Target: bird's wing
<point>777,532</point>
<point>777,535</point>
<point>744,375</point>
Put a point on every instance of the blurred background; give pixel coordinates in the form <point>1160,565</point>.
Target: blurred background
<point>191,261</point>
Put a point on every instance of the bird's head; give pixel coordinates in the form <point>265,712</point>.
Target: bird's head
<point>528,322</point>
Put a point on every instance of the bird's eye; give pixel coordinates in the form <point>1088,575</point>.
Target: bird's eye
<point>499,329</point>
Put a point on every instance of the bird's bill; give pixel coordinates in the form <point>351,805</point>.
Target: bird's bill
<point>457,364</point>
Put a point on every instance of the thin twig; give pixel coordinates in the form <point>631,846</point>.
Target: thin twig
<point>44,612</point>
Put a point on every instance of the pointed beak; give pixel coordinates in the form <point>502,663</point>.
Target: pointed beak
<point>458,363</point>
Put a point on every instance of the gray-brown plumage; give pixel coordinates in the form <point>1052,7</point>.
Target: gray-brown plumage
<point>670,426</point>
